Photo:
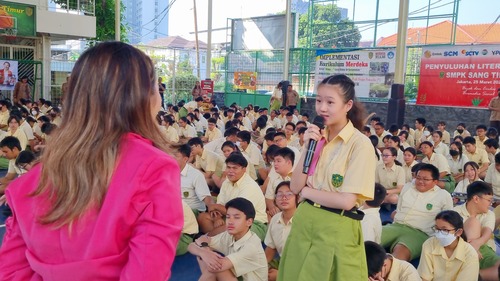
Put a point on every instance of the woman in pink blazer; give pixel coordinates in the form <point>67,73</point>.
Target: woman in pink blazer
<point>104,202</point>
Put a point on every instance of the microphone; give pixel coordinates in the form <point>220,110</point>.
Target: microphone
<point>318,121</point>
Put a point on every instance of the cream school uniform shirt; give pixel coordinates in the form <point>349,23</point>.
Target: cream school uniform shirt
<point>480,156</point>
<point>372,225</point>
<point>246,255</point>
<point>439,161</point>
<point>343,165</point>
<point>247,188</point>
<point>190,223</point>
<point>391,177</point>
<point>277,232</point>
<point>486,220</point>
<point>418,209</point>
<point>402,271</point>
<point>208,161</point>
<point>171,134</point>
<point>493,178</point>
<point>274,180</point>
<point>463,265</point>
<point>213,134</point>
<point>457,166</point>
<point>194,188</point>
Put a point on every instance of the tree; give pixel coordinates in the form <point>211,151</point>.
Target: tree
<point>105,18</point>
<point>328,28</point>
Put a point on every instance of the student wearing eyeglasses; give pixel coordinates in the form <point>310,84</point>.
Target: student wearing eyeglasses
<point>418,204</point>
<point>447,255</point>
<point>479,223</point>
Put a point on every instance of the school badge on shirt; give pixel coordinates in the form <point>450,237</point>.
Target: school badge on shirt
<point>394,183</point>
<point>428,206</point>
<point>337,180</point>
<point>186,194</point>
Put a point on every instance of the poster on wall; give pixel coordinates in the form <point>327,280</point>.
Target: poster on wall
<point>459,75</point>
<point>245,80</point>
<point>371,70</point>
<point>8,74</point>
<point>17,19</point>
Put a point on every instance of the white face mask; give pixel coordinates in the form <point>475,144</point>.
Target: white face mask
<point>445,239</point>
<point>238,143</point>
<point>34,112</point>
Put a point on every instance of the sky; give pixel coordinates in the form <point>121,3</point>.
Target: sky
<point>181,16</point>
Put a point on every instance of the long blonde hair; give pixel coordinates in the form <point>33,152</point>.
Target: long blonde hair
<point>109,94</point>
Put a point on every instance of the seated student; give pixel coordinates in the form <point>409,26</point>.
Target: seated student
<point>25,161</point>
<point>212,132</point>
<point>409,157</point>
<point>492,148</point>
<point>289,130</point>
<point>461,131</point>
<point>371,223</point>
<point>268,172</point>
<point>249,150</point>
<point>481,136</point>
<point>471,175</point>
<point>237,184</point>
<point>403,137</point>
<point>446,181</point>
<point>189,229</point>
<point>493,176</point>
<point>383,266</point>
<point>229,147</point>
<point>206,161</point>
<point>235,252</point>
<point>170,131</point>
<point>283,165</point>
<point>439,146</point>
<point>390,175</point>
<point>280,140</point>
<point>479,223</point>
<point>477,155</point>
<point>216,145</point>
<point>186,130</point>
<point>395,141</point>
<point>446,135</point>
<point>414,216</point>
<point>457,160</point>
<point>447,255</point>
<point>11,147</point>
<point>194,188</point>
<point>279,227</point>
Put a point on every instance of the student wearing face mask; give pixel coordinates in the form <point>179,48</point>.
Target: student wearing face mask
<point>447,255</point>
<point>461,131</point>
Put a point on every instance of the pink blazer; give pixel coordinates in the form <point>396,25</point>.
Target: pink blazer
<point>132,237</point>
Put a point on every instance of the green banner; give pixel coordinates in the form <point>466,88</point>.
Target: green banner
<point>17,19</point>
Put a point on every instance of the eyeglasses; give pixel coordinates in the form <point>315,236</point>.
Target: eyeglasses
<point>386,155</point>
<point>280,195</point>
<point>23,166</point>
<point>489,200</point>
<point>442,231</point>
<point>422,179</point>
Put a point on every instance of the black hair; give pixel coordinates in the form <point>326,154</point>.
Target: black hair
<point>374,140</point>
<point>231,132</point>
<point>25,157</point>
<point>270,129</point>
<point>497,158</point>
<point>185,120</point>
<point>47,128</point>
<point>230,144</point>
<point>271,151</point>
<point>243,205</point>
<point>280,134</point>
<point>378,196</point>
<point>185,150</point>
<point>195,141</point>
<point>169,120</point>
<point>458,137</point>
<point>453,218</point>
<point>286,153</point>
<point>473,164</point>
<point>393,128</point>
<point>366,129</point>
<point>411,150</point>
<point>245,136</point>
<point>430,168</point>
<point>357,112</point>
<point>376,119</point>
<point>198,99</point>
<point>416,167</point>
<point>15,117</point>
<point>381,124</point>
<point>421,120</point>
<point>269,136</point>
<point>481,126</point>
<point>302,130</point>
<point>261,122</point>
<point>290,124</point>
<point>470,140</point>
<point>394,151</point>
<point>11,143</point>
<point>300,122</point>
<point>427,143</point>
<point>375,257</point>
<point>478,188</point>
<point>287,184</point>
<point>460,148</point>
<point>491,143</point>
<point>439,133</point>
<point>238,159</point>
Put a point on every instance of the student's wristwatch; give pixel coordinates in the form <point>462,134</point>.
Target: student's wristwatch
<point>202,245</point>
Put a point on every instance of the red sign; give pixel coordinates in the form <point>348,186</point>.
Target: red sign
<point>207,89</point>
<point>459,75</point>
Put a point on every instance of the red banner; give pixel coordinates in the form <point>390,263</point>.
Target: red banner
<point>466,76</point>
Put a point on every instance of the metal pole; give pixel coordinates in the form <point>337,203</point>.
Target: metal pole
<point>401,42</point>
<point>117,20</point>
<point>208,69</point>
<point>376,24</point>
<point>196,40</point>
<point>288,27</point>
<point>174,97</point>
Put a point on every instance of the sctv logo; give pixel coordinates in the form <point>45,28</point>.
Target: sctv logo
<point>470,53</point>
<point>496,52</point>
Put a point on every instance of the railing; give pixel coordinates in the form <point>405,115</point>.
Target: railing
<point>82,7</point>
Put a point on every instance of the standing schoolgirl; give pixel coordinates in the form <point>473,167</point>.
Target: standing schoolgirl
<point>326,242</point>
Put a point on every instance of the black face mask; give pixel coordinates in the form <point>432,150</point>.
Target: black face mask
<point>454,152</point>
<point>460,131</point>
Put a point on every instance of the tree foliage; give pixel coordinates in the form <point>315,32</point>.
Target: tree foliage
<point>328,29</point>
<point>105,18</point>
